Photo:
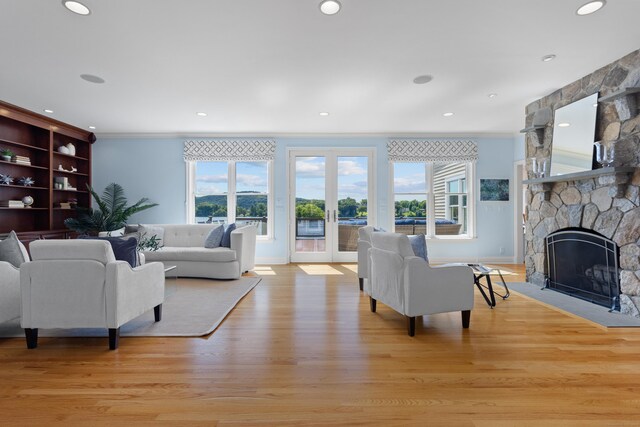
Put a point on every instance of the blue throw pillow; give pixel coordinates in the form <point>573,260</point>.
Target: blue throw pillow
<point>226,239</point>
<point>419,245</point>
<point>214,238</point>
<point>124,248</point>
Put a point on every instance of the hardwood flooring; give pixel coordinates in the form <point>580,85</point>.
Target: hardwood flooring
<point>303,349</point>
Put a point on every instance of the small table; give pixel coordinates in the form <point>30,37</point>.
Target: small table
<point>481,271</point>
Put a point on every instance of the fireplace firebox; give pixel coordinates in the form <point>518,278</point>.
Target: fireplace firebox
<point>584,264</point>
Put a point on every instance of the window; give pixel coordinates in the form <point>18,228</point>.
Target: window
<point>232,191</point>
<point>431,198</point>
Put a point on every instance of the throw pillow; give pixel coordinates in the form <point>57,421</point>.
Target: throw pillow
<point>419,245</point>
<point>226,239</point>
<point>131,228</point>
<point>214,238</point>
<point>148,231</point>
<point>10,250</point>
<point>124,248</point>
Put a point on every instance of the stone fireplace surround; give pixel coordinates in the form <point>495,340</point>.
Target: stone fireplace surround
<point>607,200</point>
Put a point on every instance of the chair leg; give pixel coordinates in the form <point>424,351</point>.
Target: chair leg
<point>412,325</point>
<point>32,337</point>
<point>466,318</point>
<point>361,282</point>
<point>157,312</point>
<point>372,304</point>
<point>114,337</point>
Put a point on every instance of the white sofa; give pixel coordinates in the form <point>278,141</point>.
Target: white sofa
<point>10,289</point>
<point>183,246</point>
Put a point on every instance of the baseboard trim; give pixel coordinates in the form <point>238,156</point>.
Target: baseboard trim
<point>271,261</point>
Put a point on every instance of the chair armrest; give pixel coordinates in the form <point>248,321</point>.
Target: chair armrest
<point>131,292</point>
<point>243,241</point>
<point>437,289</point>
<point>363,258</point>
<point>9,291</point>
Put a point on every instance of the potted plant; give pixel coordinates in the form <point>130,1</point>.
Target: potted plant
<point>6,154</point>
<point>111,214</point>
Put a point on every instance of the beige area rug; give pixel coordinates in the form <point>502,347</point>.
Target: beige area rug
<point>192,308</point>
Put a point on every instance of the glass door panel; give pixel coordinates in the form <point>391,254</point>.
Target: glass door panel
<point>310,205</point>
<point>353,194</point>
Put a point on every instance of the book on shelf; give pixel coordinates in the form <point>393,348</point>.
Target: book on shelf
<point>65,205</point>
<point>11,204</point>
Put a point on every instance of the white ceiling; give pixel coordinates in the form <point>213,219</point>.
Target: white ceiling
<point>269,67</point>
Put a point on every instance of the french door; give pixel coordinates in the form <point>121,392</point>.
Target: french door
<point>331,197</point>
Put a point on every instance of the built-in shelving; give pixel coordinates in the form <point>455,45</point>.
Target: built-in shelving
<point>39,138</point>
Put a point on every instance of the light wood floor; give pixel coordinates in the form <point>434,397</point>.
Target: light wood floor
<point>303,349</point>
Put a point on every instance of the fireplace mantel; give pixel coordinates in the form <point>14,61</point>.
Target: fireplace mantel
<point>578,176</point>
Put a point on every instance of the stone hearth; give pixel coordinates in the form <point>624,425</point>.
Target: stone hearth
<point>605,201</point>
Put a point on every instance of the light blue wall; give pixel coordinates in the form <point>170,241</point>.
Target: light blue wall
<point>153,168</point>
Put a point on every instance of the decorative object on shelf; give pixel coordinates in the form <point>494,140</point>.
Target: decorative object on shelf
<point>63,181</point>
<point>72,149</point>
<point>6,179</point>
<point>22,160</point>
<point>73,169</point>
<point>538,167</point>
<point>494,190</point>
<point>63,150</point>
<point>112,212</point>
<point>6,154</point>
<point>605,153</point>
<point>61,169</point>
<point>28,201</point>
<point>27,181</point>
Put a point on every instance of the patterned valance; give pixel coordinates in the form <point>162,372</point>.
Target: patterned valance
<point>230,149</point>
<point>423,150</point>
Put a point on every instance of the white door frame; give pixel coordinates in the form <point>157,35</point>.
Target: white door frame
<point>331,194</point>
<point>518,234</point>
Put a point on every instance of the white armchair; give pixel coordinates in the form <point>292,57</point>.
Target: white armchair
<point>79,284</point>
<point>10,289</point>
<point>364,244</point>
<point>409,285</point>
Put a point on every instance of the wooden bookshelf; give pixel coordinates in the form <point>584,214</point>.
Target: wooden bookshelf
<point>39,138</point>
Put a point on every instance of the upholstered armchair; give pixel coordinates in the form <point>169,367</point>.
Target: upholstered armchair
<point>412,287</point>
<point>79,284</point>
<point>364,244</point>
<point>10,288</point>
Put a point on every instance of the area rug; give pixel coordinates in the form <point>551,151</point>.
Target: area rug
<point>592,312</point>
<point>192,308</point>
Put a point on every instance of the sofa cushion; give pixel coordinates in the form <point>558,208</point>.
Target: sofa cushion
<point>147,231</point>
<point>10,250</point>
<point>226,239</point>
<point>419,245</point>
<point>168,254</point>
<point>124,248</point>
<point>214,238</point>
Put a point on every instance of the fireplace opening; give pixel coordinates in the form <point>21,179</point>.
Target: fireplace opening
<point>584,264</point>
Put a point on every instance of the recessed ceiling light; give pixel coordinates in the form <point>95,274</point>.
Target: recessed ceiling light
<point>591,7</point>
<point>76,7</point>
<point>548,58</point>
<point>330,7</point>
<point>420,80</point>
<point>91,78</point>
<point>492,95</point>
<point>449,114</point>
<point>564,125</point>
<point>201,114</point>
<point>46,110</point>
<point>92,127</point>
<point>324,113</point>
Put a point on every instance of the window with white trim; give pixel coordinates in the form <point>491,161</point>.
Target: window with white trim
<point>230,191</point>
<point>432,198</point>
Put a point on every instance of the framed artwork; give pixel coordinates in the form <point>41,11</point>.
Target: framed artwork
<point>494,190</point>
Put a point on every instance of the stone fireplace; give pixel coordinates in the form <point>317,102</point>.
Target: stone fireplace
<point>605,201</point>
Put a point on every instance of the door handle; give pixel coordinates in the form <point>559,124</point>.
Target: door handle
<point>328,216</point>
<point>334,215</point>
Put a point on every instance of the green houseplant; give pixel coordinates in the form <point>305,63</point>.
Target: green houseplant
<point>111,213</point>
<point>6,154</point>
